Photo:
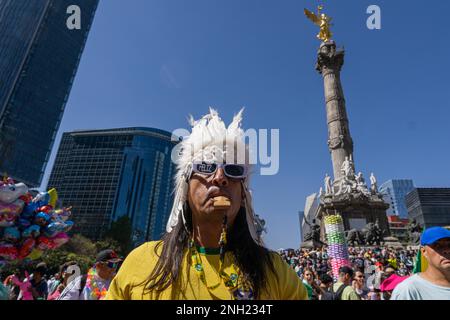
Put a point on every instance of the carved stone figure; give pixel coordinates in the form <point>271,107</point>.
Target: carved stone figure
<point>355,237</point>
<point>328,185</point>
<point>345,186</point>
<point>361,184</point>
<point>260,225</point>
<point>373,183</point>
<point>321,192</point>
<point>414,232</point>
<point>346,167</point>
<point>314,233</point>
<point>372,233</point>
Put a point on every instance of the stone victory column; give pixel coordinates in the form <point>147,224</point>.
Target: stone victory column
<point>348,195</point>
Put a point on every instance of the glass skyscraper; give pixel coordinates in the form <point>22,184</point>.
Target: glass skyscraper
<point>429,206</point>
<point>106,174</point>
<point>39,57</point>
<point>394,193</point>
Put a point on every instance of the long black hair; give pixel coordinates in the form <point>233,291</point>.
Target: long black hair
<point>254,261</point>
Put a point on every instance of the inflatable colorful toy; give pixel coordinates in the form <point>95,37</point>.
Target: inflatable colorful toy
<point>29,226</point>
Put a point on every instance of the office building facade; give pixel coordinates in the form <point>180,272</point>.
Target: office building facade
<point>106,174</point>
<point>39,59</point>
<point>394,193</point>
<point>429,206</point>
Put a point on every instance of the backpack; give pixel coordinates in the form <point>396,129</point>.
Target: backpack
<point>331,295</point>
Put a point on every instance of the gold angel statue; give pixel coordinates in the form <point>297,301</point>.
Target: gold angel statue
<point>323,21</point>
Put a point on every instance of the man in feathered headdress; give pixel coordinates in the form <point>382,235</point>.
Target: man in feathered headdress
<point>211,249</point>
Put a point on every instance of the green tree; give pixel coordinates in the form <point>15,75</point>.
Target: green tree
<point>108,243</point>
<point>120,233</point>
<point>79,249</point>
<point>81,245</point>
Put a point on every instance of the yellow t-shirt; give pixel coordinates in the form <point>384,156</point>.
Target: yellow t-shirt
<point>130,281</point>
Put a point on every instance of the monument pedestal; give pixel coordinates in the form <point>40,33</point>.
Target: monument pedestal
<point>356,209</point>
<point>392,242</point>
<point>311,244</point>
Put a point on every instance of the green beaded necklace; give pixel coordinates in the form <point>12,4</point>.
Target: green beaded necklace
<point>230,281</point>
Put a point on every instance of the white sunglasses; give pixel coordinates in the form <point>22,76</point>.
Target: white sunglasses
<point>235,171</point>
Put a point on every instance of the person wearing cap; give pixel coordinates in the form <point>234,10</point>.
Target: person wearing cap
<point>434,282</point>
<point>100,275</point>
<point>95,284</point>
<point>211,249</point>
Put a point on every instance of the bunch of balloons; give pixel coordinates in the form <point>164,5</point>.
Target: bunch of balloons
<point>30,225</point>
<point>337,245</point>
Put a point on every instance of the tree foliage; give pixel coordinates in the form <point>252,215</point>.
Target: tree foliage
<point>120,234</point>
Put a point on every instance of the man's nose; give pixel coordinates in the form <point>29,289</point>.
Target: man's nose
<point>220,179</point>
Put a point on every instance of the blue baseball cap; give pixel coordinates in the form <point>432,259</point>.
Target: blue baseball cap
<point>431,235</point>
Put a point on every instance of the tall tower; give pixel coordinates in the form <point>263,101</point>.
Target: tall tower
<point>340,143</point>
<point>348,194</point>
<point>39,57</point>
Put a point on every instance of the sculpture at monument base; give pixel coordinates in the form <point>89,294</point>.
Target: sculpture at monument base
<point>373,184</point>
<point>260,225</point>
<point>368,236</point>
<point>414,232</point>
<point>312,238</point>
<point>328,185</point>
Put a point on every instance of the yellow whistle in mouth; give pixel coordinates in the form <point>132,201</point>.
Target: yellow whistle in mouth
<point>222,202</point>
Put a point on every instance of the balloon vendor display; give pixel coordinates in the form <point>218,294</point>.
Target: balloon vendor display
<point>29,226</point>
<point>337,245</point>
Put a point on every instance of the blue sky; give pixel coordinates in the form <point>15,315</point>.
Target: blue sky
<point>153,62</point>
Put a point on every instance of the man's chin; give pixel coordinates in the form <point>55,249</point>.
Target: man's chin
<point>220,211</point>
<point>211,210</point>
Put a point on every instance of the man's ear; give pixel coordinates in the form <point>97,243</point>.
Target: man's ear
<point>424,252</point>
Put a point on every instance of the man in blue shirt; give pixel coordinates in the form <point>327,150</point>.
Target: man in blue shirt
<point>434,283</point>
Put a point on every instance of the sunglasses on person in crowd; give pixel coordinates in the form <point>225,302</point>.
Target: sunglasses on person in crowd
<point>112,265</point>
<point>235,171</point>
<point>441,245</point>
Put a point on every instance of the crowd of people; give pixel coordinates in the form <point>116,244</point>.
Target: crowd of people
<point>369,268</point>
<point>375,273</point>
<point>67,284</point>
<point>378,273</point>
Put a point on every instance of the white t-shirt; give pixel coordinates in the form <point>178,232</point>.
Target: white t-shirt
<point>72,291</point>
<point>417,288</point>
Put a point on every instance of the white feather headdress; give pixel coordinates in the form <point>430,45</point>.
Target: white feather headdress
<point>210,141</point>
